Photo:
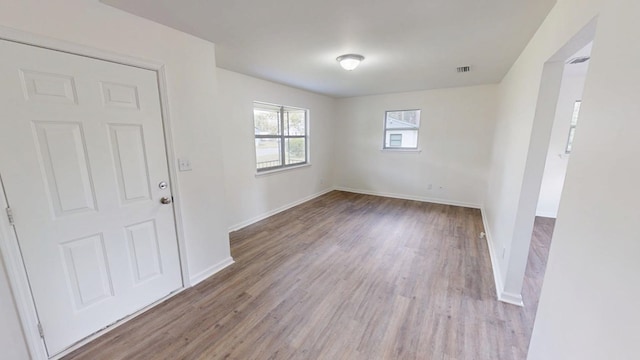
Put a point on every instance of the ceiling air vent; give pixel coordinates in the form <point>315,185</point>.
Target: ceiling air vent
<point>579,60</point>
<point>464,69</point>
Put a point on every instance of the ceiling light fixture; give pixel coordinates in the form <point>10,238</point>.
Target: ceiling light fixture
<point>350,61</point>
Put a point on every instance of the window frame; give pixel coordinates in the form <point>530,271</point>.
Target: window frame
<point>282,137</point>
<point>386,130</point>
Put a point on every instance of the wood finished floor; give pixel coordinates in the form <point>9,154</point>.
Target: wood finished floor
<point>344,276</point>
<point>537,262</point>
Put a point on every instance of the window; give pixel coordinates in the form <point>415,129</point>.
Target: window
<point>280,136</point>
<point>572,128</point>
<point>401,129</point>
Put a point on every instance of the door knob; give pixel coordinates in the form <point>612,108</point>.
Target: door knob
<point>165,200</point>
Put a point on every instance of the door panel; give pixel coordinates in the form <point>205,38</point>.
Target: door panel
<point>143,247</point>
<point>81,153</point>
<point>120,95</point>
<point>64,161</point>
<point>129,154</point>
<point>45,87</point>
<point>87,273</point>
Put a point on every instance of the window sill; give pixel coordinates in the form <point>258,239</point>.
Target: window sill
<point>402,150</point>
<point>274,171</point>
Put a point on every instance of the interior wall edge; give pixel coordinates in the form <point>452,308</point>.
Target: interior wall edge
<point>207,273</point>
<point>501,294</point>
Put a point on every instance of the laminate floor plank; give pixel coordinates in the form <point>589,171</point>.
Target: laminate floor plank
<point>344,276</point>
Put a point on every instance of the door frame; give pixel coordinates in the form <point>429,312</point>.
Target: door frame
<point>9,246</point>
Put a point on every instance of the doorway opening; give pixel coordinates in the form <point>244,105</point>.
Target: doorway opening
<point>564,124</point>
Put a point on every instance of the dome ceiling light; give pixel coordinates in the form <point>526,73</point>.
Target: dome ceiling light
<point>350,61</point>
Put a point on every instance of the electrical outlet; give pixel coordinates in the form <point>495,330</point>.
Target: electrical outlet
<point>184,164</point>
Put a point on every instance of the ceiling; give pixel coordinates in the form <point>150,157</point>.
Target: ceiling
<point>408,44</point>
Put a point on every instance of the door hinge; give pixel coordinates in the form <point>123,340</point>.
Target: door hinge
<point>10,216</point>
<point>40,330</point>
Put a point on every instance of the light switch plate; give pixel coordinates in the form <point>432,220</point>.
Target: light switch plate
<point>184,164</point>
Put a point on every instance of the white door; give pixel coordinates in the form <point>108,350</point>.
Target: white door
<point>82,154</point>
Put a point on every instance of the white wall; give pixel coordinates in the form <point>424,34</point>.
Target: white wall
<point>191,85</point>
<point>556,164</point>
<point>251,197</point>
<point>589,303</point>
<point>456,131</point>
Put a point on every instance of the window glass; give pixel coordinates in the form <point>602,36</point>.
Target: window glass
<point>280,136</point>
<point>268,153</point>
<point>572,127</point>
<point>295,122</point>
<point>267,122</point>
<point>401,129</point>
<point>295,151</point>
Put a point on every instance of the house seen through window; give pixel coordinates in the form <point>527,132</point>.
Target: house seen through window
<point>395,140</point>
<point>401,129</point>
<point>280,136</point>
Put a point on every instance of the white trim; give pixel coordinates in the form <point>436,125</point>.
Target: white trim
<point>492,254</point>
<point>401,150</point>
<point>501,295</point>
<point>263,216</point>
<point>410,197</point>
<point>19,284</point>
<point>9,243</point>
<point>203,275</point>
<point>511,298</point>
<point>45,42</point>
<point>547,214</point>
<point>120,322</point>
<point>172,161</point>
<point>282,169</point>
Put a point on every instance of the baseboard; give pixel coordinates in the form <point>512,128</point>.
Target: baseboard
<point>203,275</point>
<point>260,217</point>
<point>492,255</point>
<point>546,214</point>
<point>263,216</point>
<point>511,298</point>
<point>410,197</point>
<point>501,295</point>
